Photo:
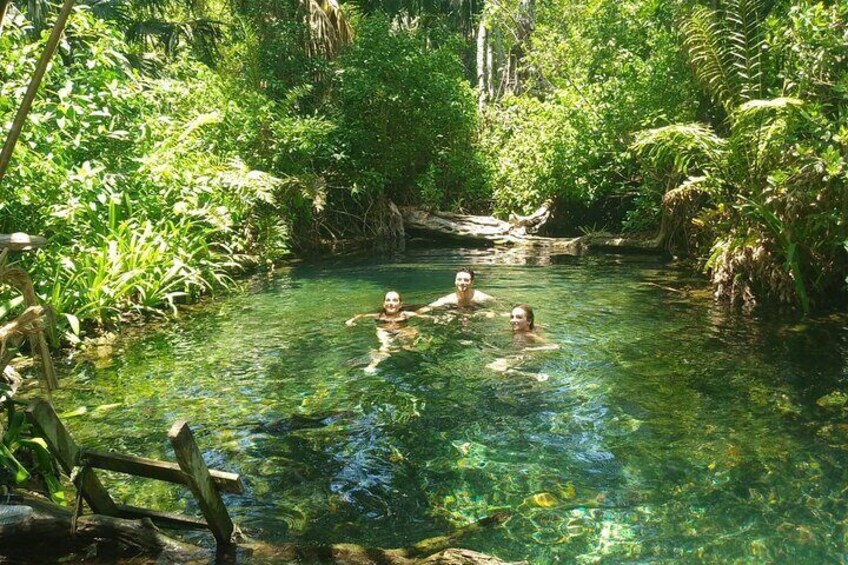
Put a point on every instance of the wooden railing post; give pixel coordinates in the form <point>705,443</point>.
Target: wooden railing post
<point>201,483</point>
<point>63,447</point>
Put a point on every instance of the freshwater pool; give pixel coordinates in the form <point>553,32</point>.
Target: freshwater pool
<point>669,429</point>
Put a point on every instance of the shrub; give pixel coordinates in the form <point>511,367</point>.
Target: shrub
<point>407,119</point>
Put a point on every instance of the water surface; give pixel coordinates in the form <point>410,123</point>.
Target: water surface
<point>668,429</point>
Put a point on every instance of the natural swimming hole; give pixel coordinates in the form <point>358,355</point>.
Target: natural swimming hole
<point>669,428</point>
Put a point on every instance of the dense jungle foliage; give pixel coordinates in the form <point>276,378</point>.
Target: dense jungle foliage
<point>173,144</point>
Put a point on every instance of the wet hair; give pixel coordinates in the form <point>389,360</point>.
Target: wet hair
<point>468,270</point>
<point>388,292</point>
<point>530,315</point>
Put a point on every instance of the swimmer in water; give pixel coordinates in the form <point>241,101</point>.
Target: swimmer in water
<point>392,326</point>
<point>465,295</point>
<point>522,320</point>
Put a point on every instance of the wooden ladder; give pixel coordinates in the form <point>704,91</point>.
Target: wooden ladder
<point>190,470</point>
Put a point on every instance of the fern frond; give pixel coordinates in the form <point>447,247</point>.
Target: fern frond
<point>760,131</point>
<point>754,115</point>
<point>682,147</point>
<point>746,44</point>
<point>755,108</point>
<point>702,39</point>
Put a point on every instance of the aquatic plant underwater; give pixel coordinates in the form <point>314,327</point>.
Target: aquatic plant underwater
<point>668,428</point>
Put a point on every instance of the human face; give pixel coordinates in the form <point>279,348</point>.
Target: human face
<point>463,282</point>
<point>392,303</point>
<point>518,320</point>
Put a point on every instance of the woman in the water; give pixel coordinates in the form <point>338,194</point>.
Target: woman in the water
<point>392,326</point>
<point>522,319</point>
<point>392,312</point>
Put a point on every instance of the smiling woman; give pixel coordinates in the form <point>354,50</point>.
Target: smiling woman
<point>392,331</point>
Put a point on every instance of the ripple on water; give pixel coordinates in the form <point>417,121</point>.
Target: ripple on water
<point>667,429</point>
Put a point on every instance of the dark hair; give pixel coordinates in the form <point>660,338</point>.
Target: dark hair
<point>530,315</point>
<point>468,270</point>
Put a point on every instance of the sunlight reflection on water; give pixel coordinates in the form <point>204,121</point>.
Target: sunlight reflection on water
<point>669,428</point>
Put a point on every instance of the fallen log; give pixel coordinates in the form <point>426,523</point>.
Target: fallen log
<point>519,231</point>
<point>48,528</point>
<point>483,229</point>
<point>48,531</point>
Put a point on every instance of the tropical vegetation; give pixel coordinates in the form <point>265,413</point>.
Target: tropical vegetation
<point>173,145</point>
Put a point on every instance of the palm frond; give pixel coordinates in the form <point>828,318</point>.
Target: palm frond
<point>681,147</point>
<point>702,39</point>
<point>759,132</point>
<point>746,44</point>
<point>756,108</point>
<point>329,29</point>
<point>200,34</point>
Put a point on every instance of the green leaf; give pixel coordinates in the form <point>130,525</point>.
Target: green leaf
<point>74,322</point>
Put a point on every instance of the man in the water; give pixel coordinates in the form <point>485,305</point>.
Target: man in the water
<point>464,296</point>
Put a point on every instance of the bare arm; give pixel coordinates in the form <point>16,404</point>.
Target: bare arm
<point>481,297</point>
<point>352,321</point>
<point>440,303</point>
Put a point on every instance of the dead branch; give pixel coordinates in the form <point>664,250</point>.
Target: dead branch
<point>50,525</point>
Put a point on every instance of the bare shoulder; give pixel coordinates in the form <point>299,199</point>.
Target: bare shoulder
<point>446,300</point>
<point>480,296</point>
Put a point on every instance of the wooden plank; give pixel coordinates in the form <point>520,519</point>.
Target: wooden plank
<point>63,447</point>
<point>37,340</point>
<point>154,469</point>
<point>20,241</point>
<point>200,482</point>
<point>166,519</point>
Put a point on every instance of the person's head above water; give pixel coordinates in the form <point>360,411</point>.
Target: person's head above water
<point>464,296</point>
<point>392,303</point>
<point>522,318</point>
<point>464,279</point>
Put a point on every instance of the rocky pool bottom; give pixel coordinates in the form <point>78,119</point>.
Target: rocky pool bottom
<point>665,429</point>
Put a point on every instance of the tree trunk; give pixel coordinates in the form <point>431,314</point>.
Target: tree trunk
<point>4,9</point>
<point>32,89</point>
<point>481,63</point>
<point>500,62</point>
<point>490,71</point>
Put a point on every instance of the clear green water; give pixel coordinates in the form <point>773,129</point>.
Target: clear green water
<point>670,430</point>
